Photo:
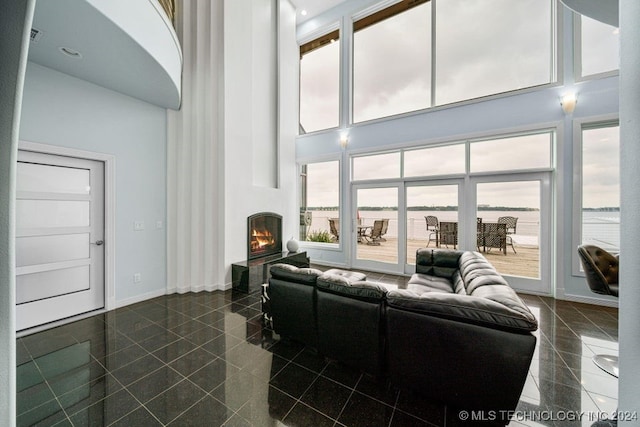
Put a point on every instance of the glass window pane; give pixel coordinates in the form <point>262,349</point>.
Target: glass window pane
<point>377,216</point>
<point>52,179</point>
<point>381,166</point>
<point>509,226</point>
<point>515,153</point>
<point>392,65</point>
<point>46,284</point>
<point>601,187</point>
<point>51,213</point>
<point>600,47</point>
<point>491,46</point>
<point>320,87</point>
<point>320,202</point>
<point>47,249</point>
<point>434,161</point>
<point>426,207</point>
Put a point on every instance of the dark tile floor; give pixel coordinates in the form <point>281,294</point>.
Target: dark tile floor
<point>205,360</point>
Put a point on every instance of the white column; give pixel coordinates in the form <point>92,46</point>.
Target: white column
<point>195,234</point>
<point>629,320</point>
<point>15,21</point>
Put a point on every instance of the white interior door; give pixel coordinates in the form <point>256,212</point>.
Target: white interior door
<point>59,238</point>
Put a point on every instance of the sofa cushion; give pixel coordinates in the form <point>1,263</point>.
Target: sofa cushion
<point>421,282</point>
<point>361,290</point>
<point>437,262</point>
<point>506,312</point>
<point>307,276</point>
<point>352,276</point>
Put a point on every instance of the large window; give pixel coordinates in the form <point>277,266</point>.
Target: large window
<point>377,166</point>
<point>392,61</point>
<point>600,191</point>
<point>599,47</point>
<point>523,152</point>
<point>491,46</point>
<point>320,202</point>
<point>416,53</point>
<point>320,83</point>
<point>445,160</point>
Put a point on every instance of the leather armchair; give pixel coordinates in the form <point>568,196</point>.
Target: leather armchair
<point>601,271</point>
<point>600,268</point>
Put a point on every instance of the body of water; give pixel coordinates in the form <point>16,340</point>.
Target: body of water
<point>599,228</point>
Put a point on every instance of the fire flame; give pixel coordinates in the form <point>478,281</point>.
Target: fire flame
<point>260,239</point>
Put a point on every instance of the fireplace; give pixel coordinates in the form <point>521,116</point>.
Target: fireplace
<point>264,231</point>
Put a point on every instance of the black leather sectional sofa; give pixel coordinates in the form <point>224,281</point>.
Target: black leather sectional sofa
<point>457,333</point>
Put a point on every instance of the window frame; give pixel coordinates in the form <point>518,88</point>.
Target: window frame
<point>549,129</point>
<point>555,62</point>
<point>324,159</point>
<point>577,55</point>
<point>594,122</point>
<point>322,34</point>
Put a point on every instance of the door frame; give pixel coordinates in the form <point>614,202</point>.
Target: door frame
<point>109,218</point>
<point>433,182</point>
<point>398,267</point>
<point>546,247</point>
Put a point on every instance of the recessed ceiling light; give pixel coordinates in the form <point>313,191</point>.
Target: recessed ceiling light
<point>71,52</point>
<point>303,12</point>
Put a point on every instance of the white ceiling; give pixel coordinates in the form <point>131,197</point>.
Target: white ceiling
<point>314,7</point>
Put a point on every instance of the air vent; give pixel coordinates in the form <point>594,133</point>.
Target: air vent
<point>36,35</point>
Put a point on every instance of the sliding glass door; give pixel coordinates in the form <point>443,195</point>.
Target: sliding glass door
<point>428,204</point>
<point>375,227</point>
<point>513,229</point>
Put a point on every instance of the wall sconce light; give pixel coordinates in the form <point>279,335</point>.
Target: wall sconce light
<point>344,141</point>
<point>568,103</point>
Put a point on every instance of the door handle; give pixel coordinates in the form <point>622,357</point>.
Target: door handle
<point>98,242</point>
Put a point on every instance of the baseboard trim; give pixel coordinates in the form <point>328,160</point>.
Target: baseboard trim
<point>140,298</point>
<point>588,300</point>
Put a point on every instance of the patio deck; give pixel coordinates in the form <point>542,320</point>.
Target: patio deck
<point>524,263</point>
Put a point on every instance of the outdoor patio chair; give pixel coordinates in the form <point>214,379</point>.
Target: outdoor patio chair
<point>375,233</point>
<point>495,236</point>
<point>448,234</point>
<point>334,228</point>
<point>432,229</point>
<point>385,227</point>
<point>511,222</point>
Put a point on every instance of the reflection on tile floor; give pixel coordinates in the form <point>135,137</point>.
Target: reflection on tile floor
<point>205,360</point>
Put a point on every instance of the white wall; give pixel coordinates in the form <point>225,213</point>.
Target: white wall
<point>241,70</point>
<point>62,110</point>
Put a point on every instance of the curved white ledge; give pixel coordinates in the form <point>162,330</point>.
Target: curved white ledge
<point>123,45</point>
<point>601,10</point>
